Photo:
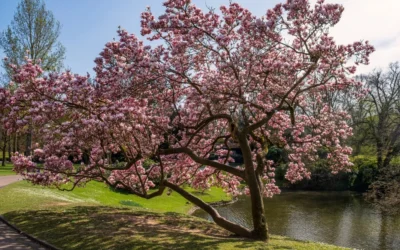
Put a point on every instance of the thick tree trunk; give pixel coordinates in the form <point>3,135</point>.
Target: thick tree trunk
<point>393,151</point>
<point>218,219</point>
<point>387,160</point>
<point>260,231</point>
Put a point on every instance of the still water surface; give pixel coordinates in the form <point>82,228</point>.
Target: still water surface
<point>339,218</point>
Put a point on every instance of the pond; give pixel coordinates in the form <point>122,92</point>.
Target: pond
<point>339,218</point>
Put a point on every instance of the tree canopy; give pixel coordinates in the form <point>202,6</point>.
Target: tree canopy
<point>217,80</point>
<point>33,32</point>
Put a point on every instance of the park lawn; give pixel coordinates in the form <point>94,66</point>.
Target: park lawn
<point>95,217</point>
<point>23,195</point>
<point>99,227</point>
<point>6,170</point>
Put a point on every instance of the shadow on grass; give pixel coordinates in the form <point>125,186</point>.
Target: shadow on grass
<point>99,227</point>
<point>119,228</point>
<point>200,193</point>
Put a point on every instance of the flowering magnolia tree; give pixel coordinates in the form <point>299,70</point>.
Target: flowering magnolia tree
<point>216,80</point>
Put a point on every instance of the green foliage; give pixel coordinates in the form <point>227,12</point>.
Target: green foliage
<point>280,171</point>
<point>148,162</point>
<point>396,161</point>
<point>275,154</point>
<point>33,28</point>
<point>367,150</point>
<point>363,160</point>
<point>365,170</point>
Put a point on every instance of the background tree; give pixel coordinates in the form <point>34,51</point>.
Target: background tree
<point>217,80</point>
<point>380,127</point>
<point>33,29</point>
<point>382,106</point>
<point>5,107</point>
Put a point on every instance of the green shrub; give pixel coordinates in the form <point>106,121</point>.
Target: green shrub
<point>366,170</point>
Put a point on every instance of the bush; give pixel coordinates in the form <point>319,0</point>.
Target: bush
<point>385,191</point>
<point>366,170</point>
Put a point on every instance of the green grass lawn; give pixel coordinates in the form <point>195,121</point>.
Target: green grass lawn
<point>22,195</point>
<point>6,170</point>
<point>123,228</point>
<point>95,217</point>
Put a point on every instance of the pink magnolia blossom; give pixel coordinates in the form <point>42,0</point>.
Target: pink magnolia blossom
<point>216,81</point>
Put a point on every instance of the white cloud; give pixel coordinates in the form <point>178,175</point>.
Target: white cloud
<point>374,20</point>
<point>377,21</point>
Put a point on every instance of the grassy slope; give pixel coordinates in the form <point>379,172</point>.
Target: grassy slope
<point>79,220</point>
<point>122,228</point>
<point>22,195</point>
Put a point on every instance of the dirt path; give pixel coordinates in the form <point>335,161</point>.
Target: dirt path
<point>5,180</point>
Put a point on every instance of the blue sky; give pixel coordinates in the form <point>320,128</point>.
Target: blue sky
<point>88,24</point>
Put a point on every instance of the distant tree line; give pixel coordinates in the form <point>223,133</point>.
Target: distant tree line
<point>33,33</point>
<point>375,120</point>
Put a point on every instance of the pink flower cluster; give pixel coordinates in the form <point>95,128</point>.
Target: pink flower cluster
<point>216,81</point>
